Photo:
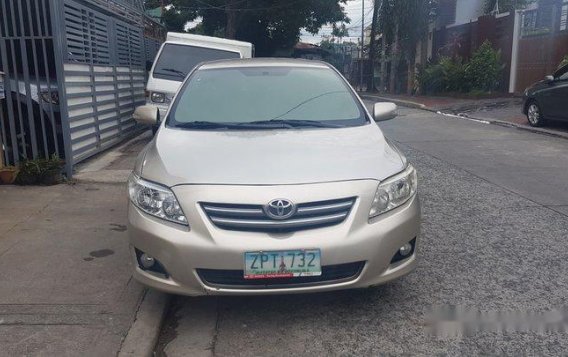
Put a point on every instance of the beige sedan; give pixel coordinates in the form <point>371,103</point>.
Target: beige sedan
<point>269,176</point>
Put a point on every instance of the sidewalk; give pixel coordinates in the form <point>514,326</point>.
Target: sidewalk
<point>505,110</point>
<point>65,269</point>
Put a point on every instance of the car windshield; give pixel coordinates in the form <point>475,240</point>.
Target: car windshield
<point>176,61</point>
<point>265,97</point>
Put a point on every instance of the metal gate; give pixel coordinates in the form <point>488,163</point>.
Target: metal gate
<point>74,73</point>
<point>103,78</point>
<point>30,120</point>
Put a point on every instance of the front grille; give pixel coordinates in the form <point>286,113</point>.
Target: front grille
<point>253,218</point>
<point>330,274</point>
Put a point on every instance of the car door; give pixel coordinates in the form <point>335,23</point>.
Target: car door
<point>558,95</point>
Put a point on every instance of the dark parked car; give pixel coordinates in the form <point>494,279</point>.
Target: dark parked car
<point>548,99</point>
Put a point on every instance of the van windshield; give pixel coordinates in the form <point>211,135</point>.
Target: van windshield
<point>264,98</point>
<point>176,61</point>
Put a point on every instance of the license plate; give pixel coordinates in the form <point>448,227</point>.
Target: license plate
<point>282,264</point>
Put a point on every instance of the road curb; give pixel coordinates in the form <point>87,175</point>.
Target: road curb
<point>415,105</point>
<point>403,103</point>
<point>145,330</point>
<point>521,127</point>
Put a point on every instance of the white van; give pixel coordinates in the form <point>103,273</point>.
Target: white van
<point>179,55</point>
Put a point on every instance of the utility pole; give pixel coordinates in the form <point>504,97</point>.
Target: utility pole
<point>361,62</point>
<point>377,5</point>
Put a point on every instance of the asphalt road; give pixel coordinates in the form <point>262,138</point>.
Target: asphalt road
<point>495,223</point>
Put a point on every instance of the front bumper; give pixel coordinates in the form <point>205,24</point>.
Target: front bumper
<point>183,250</point>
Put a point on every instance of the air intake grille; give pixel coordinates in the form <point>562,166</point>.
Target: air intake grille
<point>253,218</point>
<point>331,274</point>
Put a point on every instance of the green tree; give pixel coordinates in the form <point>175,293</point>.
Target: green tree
<point>340,31</point>
<point>484,69</point>
<point>270,25</point>
<point>403,24</point>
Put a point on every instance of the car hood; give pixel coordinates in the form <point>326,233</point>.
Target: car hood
<point>269,157</point>
<point>537,86</point>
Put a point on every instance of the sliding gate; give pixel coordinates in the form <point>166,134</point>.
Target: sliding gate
<point>73,75</point>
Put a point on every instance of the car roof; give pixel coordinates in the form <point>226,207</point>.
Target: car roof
<point>263,62</point>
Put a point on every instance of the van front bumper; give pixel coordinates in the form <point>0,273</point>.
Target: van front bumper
<point>184,251</point>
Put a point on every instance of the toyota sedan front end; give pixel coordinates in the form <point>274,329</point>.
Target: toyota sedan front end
<point>270,177</point>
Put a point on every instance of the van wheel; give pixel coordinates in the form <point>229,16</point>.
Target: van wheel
<point>534,115</point>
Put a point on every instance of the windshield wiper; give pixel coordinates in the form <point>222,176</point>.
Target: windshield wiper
<point>172,70</point>
<point>298,123</point>
<point>204,125</point>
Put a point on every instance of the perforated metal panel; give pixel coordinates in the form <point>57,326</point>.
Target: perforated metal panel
<point>104,78</point>
<point>100,103</point>
<point>87,35</point>
<point>152,47</point>
<point>129,45</point>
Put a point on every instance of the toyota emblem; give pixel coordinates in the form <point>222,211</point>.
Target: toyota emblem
<point>280,209</point>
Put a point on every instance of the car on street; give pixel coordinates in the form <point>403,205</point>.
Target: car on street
<point>269,176</point>
<point>547,99</point>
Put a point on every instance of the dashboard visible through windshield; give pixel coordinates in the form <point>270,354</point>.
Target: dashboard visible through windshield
<point>265,97</point>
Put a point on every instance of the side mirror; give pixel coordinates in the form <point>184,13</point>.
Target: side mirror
<point>549,79</point>
<point>384,111</point>
<point>146,114</point>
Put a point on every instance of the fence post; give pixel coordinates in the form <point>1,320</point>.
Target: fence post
<point>58,23</point>
<point>515,50</point>
<point>1,121</point>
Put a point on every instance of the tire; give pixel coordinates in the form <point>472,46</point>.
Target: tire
<point>534,114</point>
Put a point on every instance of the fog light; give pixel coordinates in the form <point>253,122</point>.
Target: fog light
<point>147,261</point>
<point>405,250</point>
<point>150,264</point>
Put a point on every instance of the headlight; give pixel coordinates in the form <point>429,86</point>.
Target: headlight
<point>158,97</point>
<point>394,192</point>
<point>50,97</point>
<point>155,200</point>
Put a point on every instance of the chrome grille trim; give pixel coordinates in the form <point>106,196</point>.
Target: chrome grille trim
<point>253,218</point>
<point>249,212</point>
<point>325,208</point>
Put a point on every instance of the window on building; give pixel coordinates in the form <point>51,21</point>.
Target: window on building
<point>539,21</point>
<point>447,12</point>
<point>564,16</point>
<point>529,20</point>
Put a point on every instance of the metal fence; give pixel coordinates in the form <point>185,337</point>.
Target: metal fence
<point>29,113</point>
<point>74,72</point>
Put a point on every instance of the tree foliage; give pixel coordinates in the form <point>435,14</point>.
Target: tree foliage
<point>482,73</point>
<point>404,24</point>
<point>270,25</point>
<point>340,31</point>
<point>411,17</point>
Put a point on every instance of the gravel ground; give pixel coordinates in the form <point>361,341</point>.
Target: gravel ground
<point>484,247</point>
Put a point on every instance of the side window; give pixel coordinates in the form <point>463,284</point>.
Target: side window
<point>562,74</point>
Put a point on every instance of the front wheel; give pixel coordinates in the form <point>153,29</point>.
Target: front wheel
<point>534,115</point>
